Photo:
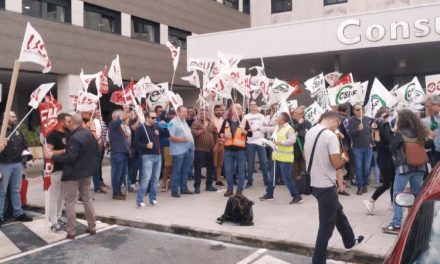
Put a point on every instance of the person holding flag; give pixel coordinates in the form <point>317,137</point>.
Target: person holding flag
<point>11,168</point>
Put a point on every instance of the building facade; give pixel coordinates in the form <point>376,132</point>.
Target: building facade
<point>393,40</point>
<point>88,34</point>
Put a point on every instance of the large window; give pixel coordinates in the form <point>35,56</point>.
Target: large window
<point>58,10</point>
<point>102,19</point>
<point>145,30</point>
<point>332,2</point>
<point>178,37</point>
<point>246,7</point>
<point>231,3</point>
<point>2,4</point>
<point>279,6</point>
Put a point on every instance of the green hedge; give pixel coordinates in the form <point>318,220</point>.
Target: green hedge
<point>32,137</point>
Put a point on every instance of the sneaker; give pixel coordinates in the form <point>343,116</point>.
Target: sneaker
<point>62,221</point>
<point>238,192</point>
<point>370,206</point>
<point>390,229</point>
<point>120,197</point>
<point>24,218</point>
<point>187,192</point>
<point>140,205</point>
<point>357,241</point>
<point>359,192</point>
<point>153,202</point>
<point>211,189</point>
<point>197,190</point>
<point>297,200</point>
<point>364,189</point>
<point>56,228</point>
<point>266,198</point>
<point>344,193</point>
<point>219,183</point>
<point>100,190</point>
<point>175,195</point>
<point>229,193</point>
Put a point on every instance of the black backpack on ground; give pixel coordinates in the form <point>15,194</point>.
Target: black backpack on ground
<point>238,210</point>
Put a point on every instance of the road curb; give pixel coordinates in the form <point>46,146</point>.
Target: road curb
<point>245,240</point>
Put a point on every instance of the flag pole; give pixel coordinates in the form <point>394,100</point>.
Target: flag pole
<point>11,93</point>
<point>172,80</point>
<point>21,122</point>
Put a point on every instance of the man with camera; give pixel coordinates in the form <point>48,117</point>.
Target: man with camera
<point>381,133</point>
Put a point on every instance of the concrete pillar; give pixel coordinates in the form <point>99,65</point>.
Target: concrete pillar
<point>163,34</point>
<point>125,25</point>
<point>14,5</point>
<point>261,14</point>
<point>67,85</point>
<point>240,5</point>
<point>77,13</point>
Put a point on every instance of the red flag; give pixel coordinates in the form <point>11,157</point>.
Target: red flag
<point>48,114</point>
<point>295,84</point>
<point>344,80</point>
<point>48,167</point>
<point>121,97</point>
<point>103,89</point>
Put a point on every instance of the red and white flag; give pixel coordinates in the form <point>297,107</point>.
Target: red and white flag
<point>175,99</point>
<point>193,79</point>
<point>86,79</point>
<point>38,95</point>
<point>121,97</point>
<point>87,102</point>
<point>115,72</point>
<point>33,49</point>
<point>103,83</point>
<point>432,83</point>
<point>332,77</point>
<point>344,80</point>
<point>175,53</point>
<point>49,110</point>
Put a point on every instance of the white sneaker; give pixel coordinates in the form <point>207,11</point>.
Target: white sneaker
<point>370,206</point>
<point>140,205</point>
<point>153,203</point>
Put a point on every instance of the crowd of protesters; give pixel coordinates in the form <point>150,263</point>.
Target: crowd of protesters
<point>171,146</point>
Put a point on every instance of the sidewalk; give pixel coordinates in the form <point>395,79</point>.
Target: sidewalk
<point>278,225</point>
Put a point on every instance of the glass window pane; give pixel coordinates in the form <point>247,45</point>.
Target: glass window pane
<point>52,11</point>
<point>107,24</point>
<point>92,20</point>
<point>32,8</point>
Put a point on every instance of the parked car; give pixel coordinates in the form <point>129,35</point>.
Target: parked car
<point>419,238</point>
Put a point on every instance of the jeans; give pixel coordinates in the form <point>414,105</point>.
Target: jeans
<point>202,158</point>
<point>331,214</point>
<point>134,166</point>
<point>182,168</point>
<point>230,157</point>
<point>376,168</point>
<point>362,161</point>
<point>285,169</point>
<point>98,175</point>
<point>118,163</point>
<point>11,175</point>
<point>262,157</point>
<point>150,175</point>
<point>415,179</point>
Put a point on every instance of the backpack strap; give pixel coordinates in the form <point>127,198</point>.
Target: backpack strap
<point>313,150</point>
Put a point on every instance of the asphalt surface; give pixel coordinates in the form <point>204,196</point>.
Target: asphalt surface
<point>131,245</point>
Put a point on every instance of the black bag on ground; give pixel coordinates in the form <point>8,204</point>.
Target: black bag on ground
<point>238,210</point>
<point>303,181</point>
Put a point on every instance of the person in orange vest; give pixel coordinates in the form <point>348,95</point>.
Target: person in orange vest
<point>234,133</point>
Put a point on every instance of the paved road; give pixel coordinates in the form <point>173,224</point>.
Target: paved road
<point>131,245</point>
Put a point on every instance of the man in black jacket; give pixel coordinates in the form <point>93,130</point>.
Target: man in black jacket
<point>11,168</point>
<point>80,163</point>
<point>301,126</point>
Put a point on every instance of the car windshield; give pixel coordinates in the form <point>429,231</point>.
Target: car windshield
<point>424,238</point>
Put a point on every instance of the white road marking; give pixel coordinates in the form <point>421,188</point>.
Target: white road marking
<point>253,256</point>
<point>53,245</point>
<point>267,259</point>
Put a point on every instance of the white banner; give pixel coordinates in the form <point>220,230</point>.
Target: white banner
<point>193,79</point>
<point>345,93</point>
<point>33,49</point>
<point>175,54</point>
<point>39,93</point>
<point>379,96</point>
<point>175,99</point>
<point>86,79</point>
<point>279,91</point>
<point>200,64</point>
<point>332,77</point>
<point>313,113</point>
<point>86,102</point>
<point>315,84</point>
<point>114,72</point>
<point>432,84</point>
<point>410,93</point>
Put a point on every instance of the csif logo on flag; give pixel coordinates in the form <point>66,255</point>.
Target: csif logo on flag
<point>309,113</point>
<point>377,101</point>
<point>282,88</point>
<point>344,94</point>
<point>412,92</point>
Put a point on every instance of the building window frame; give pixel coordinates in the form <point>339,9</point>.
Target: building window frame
<point>2,4</point>
<point>234,4</point>
<point>178,36</point>
<point>334,2</point>
<point>138,22</point>
<point>281,6</point>
<point>247,7</point>
<point>66,4</point>
<point>106,13</point>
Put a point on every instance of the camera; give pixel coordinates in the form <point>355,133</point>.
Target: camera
<point>379,121</point>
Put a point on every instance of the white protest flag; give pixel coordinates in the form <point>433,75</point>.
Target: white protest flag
<point>86,101</point>
<point>322,98</point>
<point>33,49</point>
<point>86,79</point>
<point>139,89</point>
<point>315,84</point>
<point>410,93</point>
<point>175,99</point>
<point>260,69</point>
<point>379,96</point>
<point>175,54</point>
<point>432,84</point>
<point>193,79</point>
<point>332,77</point>
<point>149,85</point>
<point>200,64</point>
<point>279,91</point>
<point>255,91</point>
<point>220,85</point>
<point>292,103</point>
<point>158,97</point>
<point>228,61</point>
<point>39,93</point>
<point>360,91</point>
<point>344,93</point>
<point>313,112</point>
<point>263,85</point>
<point>114,72</point>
